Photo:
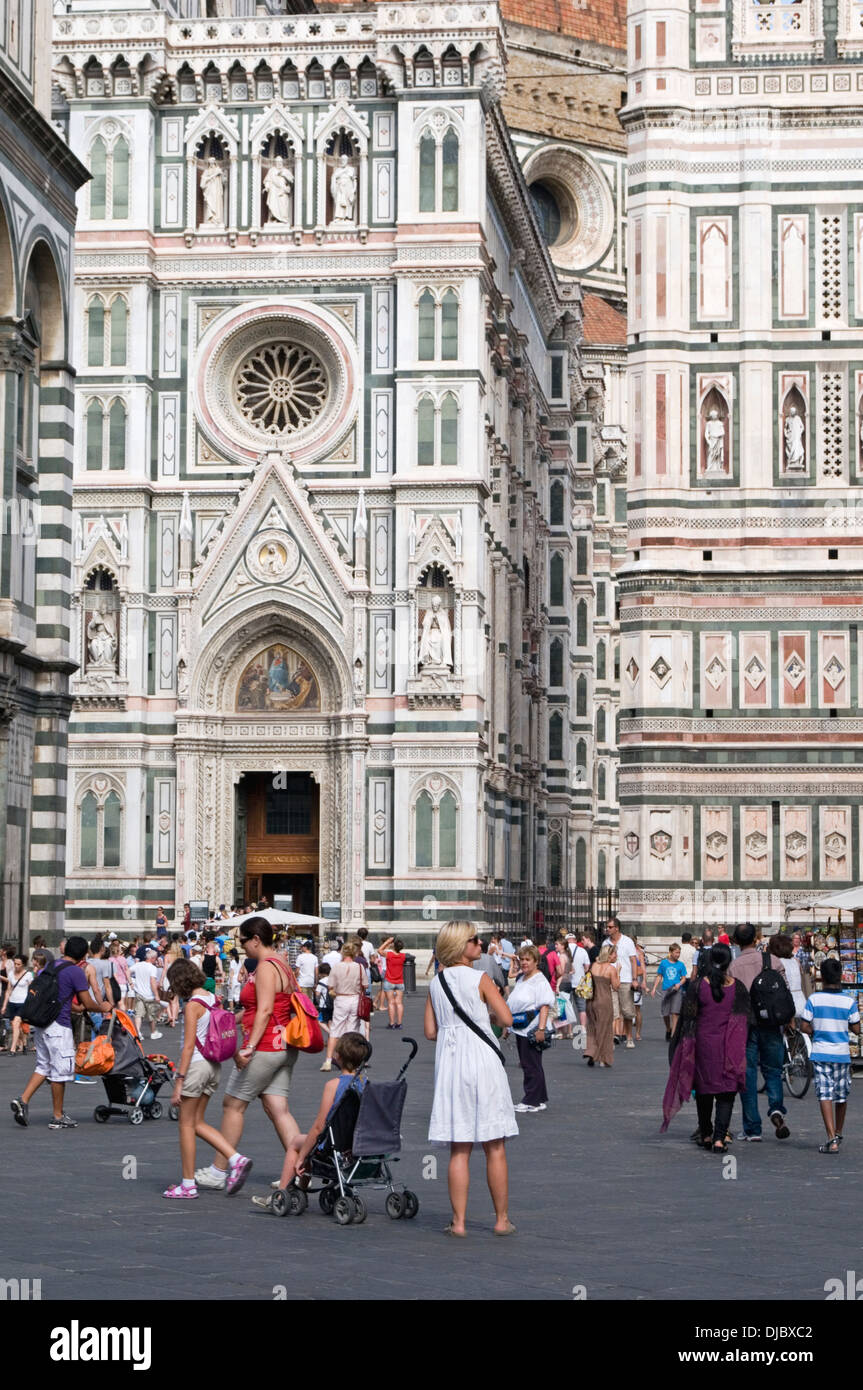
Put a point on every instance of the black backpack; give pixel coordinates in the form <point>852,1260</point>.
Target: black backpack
<point>543,966</point>
<point>41,1008</point>
<point>770,997</point>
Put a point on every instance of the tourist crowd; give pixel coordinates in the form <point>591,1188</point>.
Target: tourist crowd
<point>728,1006</point>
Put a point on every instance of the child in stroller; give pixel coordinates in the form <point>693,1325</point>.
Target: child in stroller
<point>351,1143</point>
<point>133,1083</point>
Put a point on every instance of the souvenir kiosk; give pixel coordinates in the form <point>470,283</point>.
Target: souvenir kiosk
<point>842,938</point>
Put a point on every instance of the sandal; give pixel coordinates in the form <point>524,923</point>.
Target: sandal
<point>719,1147</point>
<point>509,1230</point>
<point>831,1147</point>
<point>448,1231</point>
<point>178,1190</point>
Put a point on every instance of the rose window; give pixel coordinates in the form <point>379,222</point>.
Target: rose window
<point>281,388</point>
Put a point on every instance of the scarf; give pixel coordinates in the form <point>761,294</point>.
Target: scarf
<point>682,1051</point>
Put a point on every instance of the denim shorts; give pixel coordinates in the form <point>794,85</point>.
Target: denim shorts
<point>392,989</point>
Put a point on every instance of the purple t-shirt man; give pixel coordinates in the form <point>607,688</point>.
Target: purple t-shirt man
<point>70,981</point>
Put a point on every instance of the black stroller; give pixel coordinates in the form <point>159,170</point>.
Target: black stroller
<point>134,1082</point>
<point>361,1140</point>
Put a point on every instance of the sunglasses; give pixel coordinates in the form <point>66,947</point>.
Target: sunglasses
<point>474,941</point>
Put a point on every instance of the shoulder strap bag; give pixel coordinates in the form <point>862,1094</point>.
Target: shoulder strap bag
<point>474,1028</point>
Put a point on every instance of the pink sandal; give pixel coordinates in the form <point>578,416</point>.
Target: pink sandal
<point>179,1191</point>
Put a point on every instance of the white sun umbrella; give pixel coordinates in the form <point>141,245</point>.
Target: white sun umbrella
<point>277,919</point>
<point>848,899</point>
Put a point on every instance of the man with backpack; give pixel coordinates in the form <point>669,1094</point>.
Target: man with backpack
<point>772,1007</point>
<point>48,1009</point>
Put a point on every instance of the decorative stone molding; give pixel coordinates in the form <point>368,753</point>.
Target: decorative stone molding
<point>585,201</point>
<point>302,353</point>
<point>765,32</point>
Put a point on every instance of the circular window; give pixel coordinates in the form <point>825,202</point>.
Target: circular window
<point>280,376</point>
<point>573,206</point>
<point>281,388</point>
<point>547,210</point>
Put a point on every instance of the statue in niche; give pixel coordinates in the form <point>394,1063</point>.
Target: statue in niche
<point>435,648</point>
<point>795,456</point>
<point>279,191</point>
<point>714,441</point>
<point>101,641</point>
<point>213,193</point>
<point>343,189</point>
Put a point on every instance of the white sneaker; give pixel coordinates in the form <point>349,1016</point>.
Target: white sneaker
<point>205,1178</point>
<point>630,1043</point>
<point>543,1105</point>
<point>154,1036</point>
<point>328,1066</point>
<point>521,1109</point>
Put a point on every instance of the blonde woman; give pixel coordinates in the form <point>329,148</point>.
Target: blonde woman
<point>472,1101</point>
<point>347,981</point>
<point>600,1009</point>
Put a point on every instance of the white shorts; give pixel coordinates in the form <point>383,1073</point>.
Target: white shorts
<point>55,1052</point>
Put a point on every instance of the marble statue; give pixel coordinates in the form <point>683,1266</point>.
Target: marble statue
<point>714,438</point>
<point>795,461</point>
<point>101,640</point>
<point>278,189</point>
<point>343,187</point>
<point>435,650</point>
<point>213,193</point>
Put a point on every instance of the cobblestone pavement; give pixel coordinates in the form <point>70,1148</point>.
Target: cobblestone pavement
<point>606,1207</point>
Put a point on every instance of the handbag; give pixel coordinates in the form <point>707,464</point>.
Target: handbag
<point>302,1029</point>
<point>474,1028</point>
<point>364,1003</point>
<point>584,990</point>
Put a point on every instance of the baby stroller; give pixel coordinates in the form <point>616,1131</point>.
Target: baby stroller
<point>361,1140</point>
<point>134,1081</point>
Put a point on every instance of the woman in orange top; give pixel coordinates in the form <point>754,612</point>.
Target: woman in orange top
<point>263,1066</point>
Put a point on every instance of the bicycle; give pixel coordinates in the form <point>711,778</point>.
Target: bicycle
<point>796,1068</point>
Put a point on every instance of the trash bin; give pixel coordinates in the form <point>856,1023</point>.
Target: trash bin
<point>410,975</point>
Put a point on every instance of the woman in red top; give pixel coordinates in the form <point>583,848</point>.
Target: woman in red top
<point>393,953</point>
<point>263,1066</point>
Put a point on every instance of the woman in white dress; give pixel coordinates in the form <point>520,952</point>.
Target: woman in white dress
<point>472,1101</point>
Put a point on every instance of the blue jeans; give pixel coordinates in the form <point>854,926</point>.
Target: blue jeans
<point>764,1048</point>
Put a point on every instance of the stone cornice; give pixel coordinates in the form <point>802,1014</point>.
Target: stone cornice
<point>508,187</point>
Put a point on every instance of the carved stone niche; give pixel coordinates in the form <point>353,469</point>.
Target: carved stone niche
<point>102,642</point>
<point>435,642</point>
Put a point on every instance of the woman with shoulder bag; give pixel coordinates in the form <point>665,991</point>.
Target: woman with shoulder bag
<point>351,1005</point>
<point>472,1102</point>
<point>533,993</point>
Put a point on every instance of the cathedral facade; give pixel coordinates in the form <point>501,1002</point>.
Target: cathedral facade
<point>740,603</point>
<point>332,419</point>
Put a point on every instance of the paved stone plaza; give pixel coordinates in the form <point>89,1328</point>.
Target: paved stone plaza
<point>600,1199</point>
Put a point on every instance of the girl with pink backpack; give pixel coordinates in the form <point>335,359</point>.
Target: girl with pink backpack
<point>209,1038</point>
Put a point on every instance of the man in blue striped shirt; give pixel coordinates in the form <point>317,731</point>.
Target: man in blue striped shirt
<point>829,1015</point>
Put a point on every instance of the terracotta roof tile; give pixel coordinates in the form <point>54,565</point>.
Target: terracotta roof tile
<point>603,325</point>
<point>602,21</point>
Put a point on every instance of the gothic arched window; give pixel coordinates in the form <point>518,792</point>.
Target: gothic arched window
<point>581,697</point>
<point>96,332</point>
<point>438,169</point>
<point>600,725</point>
<point>555,738</point>
<point>426,327</point>
<point>435,830</point>
<point>119,331</point>
<point>117,435</point>
<point>556,503</point>
<point>580,864</point>
<point>555,663</point>
<point>555,581</point>
<point>99,178</point>
<point>554,861</point>
<point>100,829</point>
